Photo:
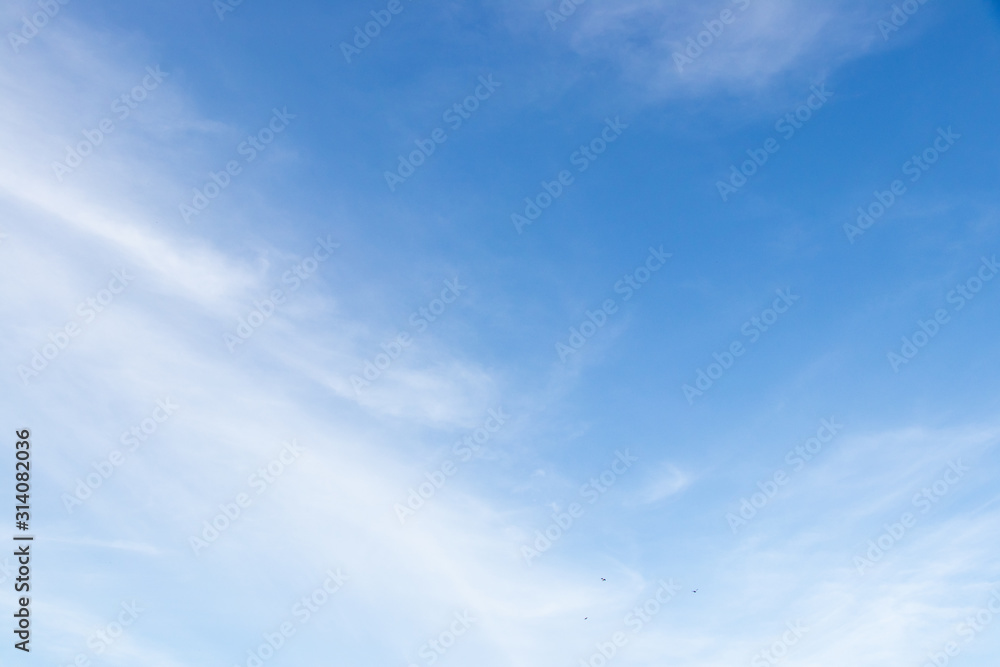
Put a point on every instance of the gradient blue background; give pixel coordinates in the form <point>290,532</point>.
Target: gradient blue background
<point>495,347</point>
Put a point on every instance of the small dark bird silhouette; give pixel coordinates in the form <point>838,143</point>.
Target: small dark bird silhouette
<point>695,590</point>
<point>585,617</point>
<point>603,579</point>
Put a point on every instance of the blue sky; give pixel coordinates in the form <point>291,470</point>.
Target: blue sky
<point>436,384</point>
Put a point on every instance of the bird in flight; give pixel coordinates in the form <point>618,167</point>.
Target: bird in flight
<point>695,590</point>
<point>603,579</point>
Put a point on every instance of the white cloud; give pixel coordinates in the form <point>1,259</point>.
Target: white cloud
<point>665,480</point>
<point>334,508</point>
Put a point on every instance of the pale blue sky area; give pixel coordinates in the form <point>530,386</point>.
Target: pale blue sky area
<point>410,333</point>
